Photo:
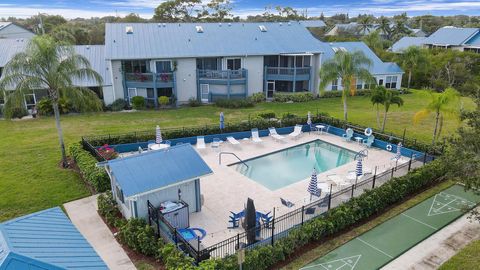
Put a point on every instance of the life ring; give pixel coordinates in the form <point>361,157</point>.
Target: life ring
<point>368,132</point>
<point>389,147</point>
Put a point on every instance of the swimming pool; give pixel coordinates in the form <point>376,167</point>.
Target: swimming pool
<point>285,167</point>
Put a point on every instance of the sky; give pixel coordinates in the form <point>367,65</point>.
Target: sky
<point>242,8</point>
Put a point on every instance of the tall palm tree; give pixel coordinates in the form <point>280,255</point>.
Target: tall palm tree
<point>377,98</point>
<point>400,29</point>
<point>365,23</point>
<point>411,59</point>
<point>348,67</point>
<point>440,104</point>
<point>46,64</point>
<point>384,26</point>
<point>390,97</point>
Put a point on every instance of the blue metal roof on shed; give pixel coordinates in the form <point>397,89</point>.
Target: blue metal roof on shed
<point>181,40</point>
<point>451,36</point>
<point>406,42</point>
<point>154,170</point>
<point>378,67</point>
<point>45,240</point>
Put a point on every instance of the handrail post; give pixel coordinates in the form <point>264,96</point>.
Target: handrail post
<point>374,178</point>
<point>303,211</point>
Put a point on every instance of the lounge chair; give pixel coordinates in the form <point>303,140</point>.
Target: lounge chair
<point>297,131</point>
<point>273,133</point>
<point>201,142</point>
<point>369,141</point>
<point>348,134</point>
<point>216,144</point>
<point>232,140</point>
<point>288,204</point>
<point>256,136</point>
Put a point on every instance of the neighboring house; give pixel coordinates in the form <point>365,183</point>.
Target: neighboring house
<point>353,28</point>
<point>12,30</point>
<point>448,37</point>
<point>94,53</point>
<point>157,176</point>
<point>313,23</point>
<point>416,32</point>
<point>388,74</point>
<point>209,61</point>
<point>406,42</point>
<point>45,240</point>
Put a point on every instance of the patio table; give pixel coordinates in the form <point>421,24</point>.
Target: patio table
<point>320,128</point>
<point>358,139</point>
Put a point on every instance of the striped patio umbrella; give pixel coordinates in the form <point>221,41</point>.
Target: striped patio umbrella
<point>158,135</point>
<point>313,185</point>
<point>359,169</point>
<point>398,155</point>
<point>222,121</point>
<point>309,118</point>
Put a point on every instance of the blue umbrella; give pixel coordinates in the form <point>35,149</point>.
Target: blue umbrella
<point>158,135</point>
<point>222,121</point>
<point>399,151</point>
<point>313,185</point>
<point>359,169</point>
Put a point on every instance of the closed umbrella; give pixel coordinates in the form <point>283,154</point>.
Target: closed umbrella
<point>222,121</point>
<point>250,221</point>
<point>309,120</point>
<point>158,135</point>
<point>359,169</point>
<point>399,151</point>
<point>313,185</point>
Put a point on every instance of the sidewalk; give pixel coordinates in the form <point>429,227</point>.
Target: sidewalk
<point>83,213</point>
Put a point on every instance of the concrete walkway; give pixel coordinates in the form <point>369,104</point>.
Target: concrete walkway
<point>438,248</point>
<point>83,213</point>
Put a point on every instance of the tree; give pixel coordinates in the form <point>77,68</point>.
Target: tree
<point>400,29</point>
<point>374,41</point>
<point>391,97</point>
<point>440,104</point>
<point>176,11</point>
<point>46,64</point>
<point>411,59</point>
<point>377,97</point>
<point>384,27</point>
<point>365,24</point>
<point>348,67</point>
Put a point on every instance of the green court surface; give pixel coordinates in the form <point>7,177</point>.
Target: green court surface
<point>382,244</point>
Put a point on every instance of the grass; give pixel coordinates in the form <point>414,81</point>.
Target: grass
<point>466,259</point>
<point>31,179</point>
<point>335,242</point>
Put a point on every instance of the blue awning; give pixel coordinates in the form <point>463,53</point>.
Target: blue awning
<point>154,170</point>
<point>45,240</point>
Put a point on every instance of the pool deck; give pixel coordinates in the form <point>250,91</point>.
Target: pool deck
<point>227,190</point>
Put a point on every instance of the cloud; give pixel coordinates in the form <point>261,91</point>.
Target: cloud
<point>23,12</point>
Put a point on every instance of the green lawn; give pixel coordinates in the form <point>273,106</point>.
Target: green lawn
<point>466,259</point>
<point>31,179</point>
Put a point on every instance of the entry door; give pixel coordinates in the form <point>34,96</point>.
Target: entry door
<point>204,92</point>
<point>270,89</point>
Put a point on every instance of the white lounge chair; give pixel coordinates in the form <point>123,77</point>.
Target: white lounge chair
<point>232,140</point>
<point>297,131</point>
<point>216,144</point>
<point>275,135</point>
<point>201,142</point>
<point>256,136</point>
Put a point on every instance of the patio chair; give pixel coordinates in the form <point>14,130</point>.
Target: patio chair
<point>235,219</point>
<point>369,141</point>
<point>201,142</point>
<point>288,204</point>
<point>232,140</point>
<point>348,134</point>
<point>297,131</point>
<point>256,136</point>
<point>273,133</point>
<point>216,144</point>
<point>266,218</point>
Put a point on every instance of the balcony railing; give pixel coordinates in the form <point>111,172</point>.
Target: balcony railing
<point>222,74</point>
<point>149,77</point>
<point>288,71</point>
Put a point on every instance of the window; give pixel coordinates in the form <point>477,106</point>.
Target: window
<point>380,82</point>
<point>150,93</point>
<point>271,61</point>
<point>207,63</point>
<point>306,61</point>
<point>135,66</point>
<point>335,85</point>
<point>391,82</point>
<point>30,101</point>
<point>299,61</point>
<point>164,66</point>
<point>119,193</point>
<point>359,84</point>
<point>168,92</point>
<point>234,63</point>
<point>204,92</point>
<point>132,92</point>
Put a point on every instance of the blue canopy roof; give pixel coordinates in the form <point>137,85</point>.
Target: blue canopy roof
<point>154,170</point>
<point>451,36</point>
<point>45,240</point>
<point>406,42</point>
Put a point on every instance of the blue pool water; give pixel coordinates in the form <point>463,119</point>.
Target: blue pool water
<point>288,166</point>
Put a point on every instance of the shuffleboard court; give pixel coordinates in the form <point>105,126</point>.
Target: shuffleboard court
<point>382,244</point>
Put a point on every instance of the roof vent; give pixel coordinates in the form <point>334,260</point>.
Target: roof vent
<point>280,23</point>
<point>129,29</point>
<point>220,24</point>
<point>88,47</point>
<point>159,24</point>
<point>335,49</point>
<point>289,23</point>
<point>199,29</point>
<point>262,28</point>
<point>343,49</point>
<point>229,24</point>
<point>164,24</point>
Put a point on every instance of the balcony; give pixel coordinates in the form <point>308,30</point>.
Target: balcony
<point>287,73</point>
<point>222,77</point>
<point>149,80</point>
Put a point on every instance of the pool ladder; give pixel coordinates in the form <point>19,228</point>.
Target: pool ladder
<point>361,154</point>
<point>229,153</point>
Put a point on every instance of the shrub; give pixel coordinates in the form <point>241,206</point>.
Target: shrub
<point>193,102</point>
<point>163,101</point>
<point>293,97</point>
<point>17,112</point>
<point>258,97</point>
<point>234,103</point>
<point>107,208</point>
<point>138,102</point>
<point>139,236</point>
<point>119,105</point>
<point>45,107</point>
<point>266,115</point>
<point>87,164</point>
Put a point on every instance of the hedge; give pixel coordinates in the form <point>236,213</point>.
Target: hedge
<point>358,92</point>
<point>293,97</point>
<point>87,164</point>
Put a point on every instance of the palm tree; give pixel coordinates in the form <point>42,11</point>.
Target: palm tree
<point>384,27</point>
<point>390,97</point>
<point>440,104</point>
<point>410,59</point>
<point>365,23</point>
<point>348,67</point>
<point>46,64</point>
<point>377,97</point>
<point>400,29</point>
